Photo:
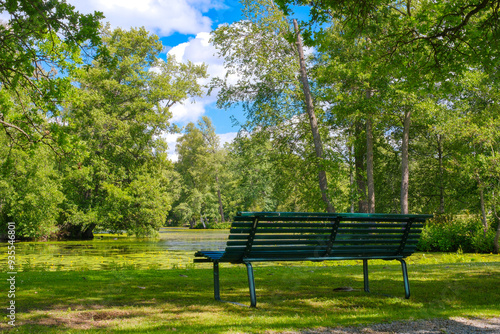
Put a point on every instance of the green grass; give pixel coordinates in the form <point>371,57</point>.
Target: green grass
<point>289,297</point>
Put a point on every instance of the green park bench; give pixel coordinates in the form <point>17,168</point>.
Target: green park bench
<point>310,236</point>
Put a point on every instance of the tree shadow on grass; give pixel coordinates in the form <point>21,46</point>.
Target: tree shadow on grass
<point>288,298</point>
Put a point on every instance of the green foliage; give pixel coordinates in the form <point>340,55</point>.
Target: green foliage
<point>256,49</point>
<point>30,191</point>
<point>110,170</point>
<point>456,233</point>
<point>436,37</point>
<point>120,179</point>
<point>140,208</point>
<point>371,61</point>
<point>41,44</point>
<point>201,166</point>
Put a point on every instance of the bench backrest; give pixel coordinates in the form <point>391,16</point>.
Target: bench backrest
<point>289,236</point>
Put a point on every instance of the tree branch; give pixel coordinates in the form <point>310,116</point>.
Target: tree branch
<point>15,127</point>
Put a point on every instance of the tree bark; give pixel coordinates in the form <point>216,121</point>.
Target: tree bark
<point>483,211</point>
<point>369,166</point>
<point>369,159</point>
<point>441,174</point>
<point>351,175</point>
<point>405,164</point>
<point>221,208</point>
<point>318,145</point>
<point>496,246</point>
<point>359,166</point>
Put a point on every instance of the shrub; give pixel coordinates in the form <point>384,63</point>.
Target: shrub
<point>447,233</point>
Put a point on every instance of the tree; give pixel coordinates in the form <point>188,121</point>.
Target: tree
<point>30,190</point>
<point>201,167</point>
<point>353,89</point>
<point>309,103</point>
<point>215,158</point>
<point>253,172</point>
<point>41,45</point>
<point>257,49</point>
<point>119,177</point>
<point>477,128</point>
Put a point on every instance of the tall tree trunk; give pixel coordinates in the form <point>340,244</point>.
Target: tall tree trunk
<point>496,245</point>
<point>369,159</point>
<point>359,166</point>
<point>483,211</point>
<point>221,208</point>
<point>405,164</point>
<point>369,165</point>
<point>351,175</point>
<point>318,145</point>
<point>441,173</point>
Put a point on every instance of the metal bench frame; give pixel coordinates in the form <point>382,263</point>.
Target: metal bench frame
<point>247,226</point>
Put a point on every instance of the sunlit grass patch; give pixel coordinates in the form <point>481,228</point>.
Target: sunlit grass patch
<point>290,296</point>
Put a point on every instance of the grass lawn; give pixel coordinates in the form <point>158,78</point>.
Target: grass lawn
<point>289,297</point>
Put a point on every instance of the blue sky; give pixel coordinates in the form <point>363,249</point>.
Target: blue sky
<point>184,28</point>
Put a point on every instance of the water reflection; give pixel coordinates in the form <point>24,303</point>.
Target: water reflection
<point>189,240</point>
<point>173,249</point>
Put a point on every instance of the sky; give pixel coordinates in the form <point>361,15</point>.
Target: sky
<point>184,28</point>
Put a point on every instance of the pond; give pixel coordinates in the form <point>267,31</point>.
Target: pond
<point>174,248</point>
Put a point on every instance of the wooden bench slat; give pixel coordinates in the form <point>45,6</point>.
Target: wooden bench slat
<point>326,225</point>
<point>335,249</point>
<point>309,236</point>
<point>286,219</point>
<point>279,242</point>
<point>374,231</point>
<point>379,216</point>
<point>370,236</point>
<point>369,242</point>
<point>323,219</point>
<point>342,229</point>
<point>326,258</point>
<point>323,241</point>
<point>272,249</point>
<point>321,237</point>
<point>280,224</point>
<point>285,230</point>
<point>286,255</point>
<point>315,236</point>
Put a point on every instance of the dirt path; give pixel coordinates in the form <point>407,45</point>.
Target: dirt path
<point>438,326</point>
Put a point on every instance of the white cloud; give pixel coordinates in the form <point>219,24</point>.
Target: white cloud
<point>198,50</point>
<point>171,139</point>
<point>227,137</point>
<point>162,17</point>
<point>188,111</point>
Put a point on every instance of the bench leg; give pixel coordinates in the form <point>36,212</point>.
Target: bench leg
<point>405,278</point>
<point>216,282</point>
<point>365,275</point>
<point>251,285</point>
